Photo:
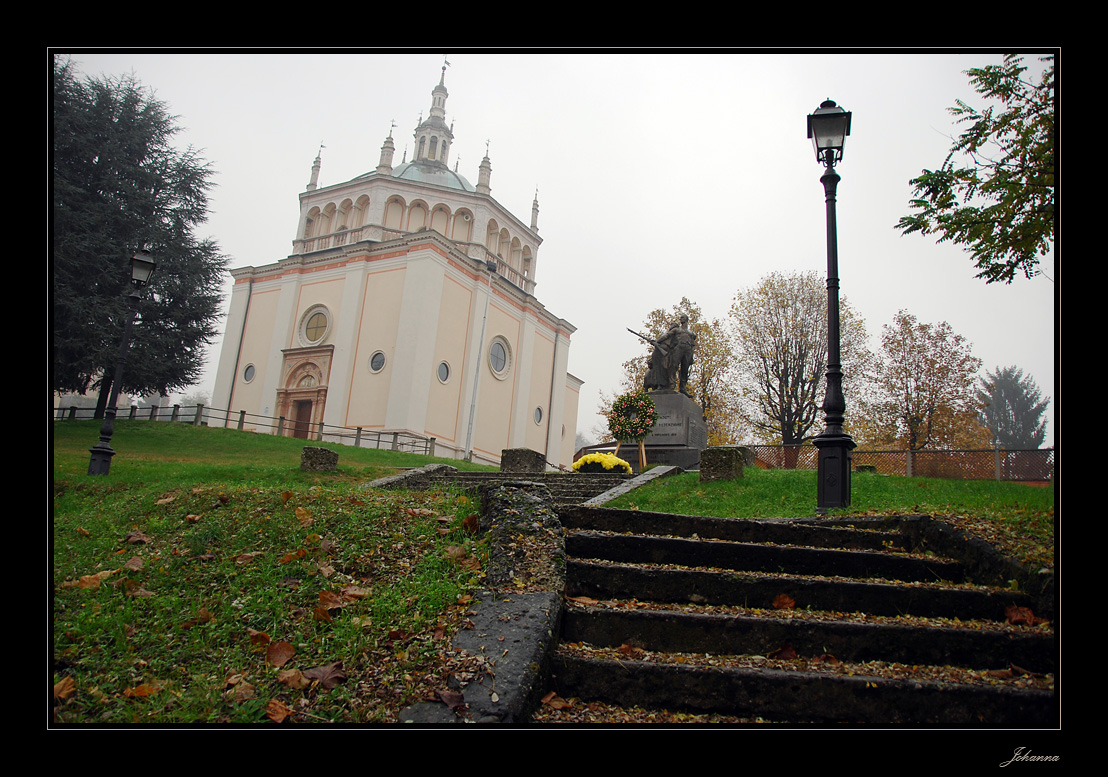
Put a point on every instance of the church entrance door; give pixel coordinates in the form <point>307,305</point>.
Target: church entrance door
<point>302,418</point>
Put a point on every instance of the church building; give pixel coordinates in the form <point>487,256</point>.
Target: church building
<point>407,305</point>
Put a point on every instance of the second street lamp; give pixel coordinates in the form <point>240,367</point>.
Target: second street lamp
<point>828,127</point>
<point>100,461</point>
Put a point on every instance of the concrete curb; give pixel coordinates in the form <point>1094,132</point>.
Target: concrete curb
<point>631,485</point>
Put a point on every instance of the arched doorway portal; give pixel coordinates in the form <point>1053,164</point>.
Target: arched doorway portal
<point>302,397</point>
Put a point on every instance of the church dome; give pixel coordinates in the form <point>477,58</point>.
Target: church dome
<point>437,174</point>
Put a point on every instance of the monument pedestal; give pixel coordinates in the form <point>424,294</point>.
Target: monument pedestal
<point>679,435</point>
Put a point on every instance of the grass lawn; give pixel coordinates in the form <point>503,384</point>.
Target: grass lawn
<point>208,578</point>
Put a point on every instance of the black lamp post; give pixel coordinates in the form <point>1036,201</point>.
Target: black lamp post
<point>828,128</point>
<point>142,267</point>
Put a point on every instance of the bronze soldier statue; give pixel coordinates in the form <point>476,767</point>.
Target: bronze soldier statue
<point>668,366</point>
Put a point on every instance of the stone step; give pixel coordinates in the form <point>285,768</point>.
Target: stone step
<point>800,696</point>
<point>972,644</point>
<point>760,591</point>
<point>807,533</point>
<point>754,557</point>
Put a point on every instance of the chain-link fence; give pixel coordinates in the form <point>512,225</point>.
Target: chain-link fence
<point>986,464</point>
<point>319,432</point>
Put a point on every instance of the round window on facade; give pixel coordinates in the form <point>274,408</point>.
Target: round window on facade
<point>315,325</point>
<point>377,362</point>
<point>444,372</point>
<point>538,415</point>
<point>249,373</point>
<point>500,358</point>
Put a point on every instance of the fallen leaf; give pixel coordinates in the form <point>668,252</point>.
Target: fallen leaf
<point>554,701</point>
<point>293,678</point>
<point>65,688</point>
<point>304,515</point>
<point>327,676</point>
<point>135,564</point>
<point>290,557</point>
<point>165,500</point>
<point>783,602</point>
<point>93,581</point>
<point>258,637</point>
<point>285,497</point>
<point>451,699</point>
<point>191,518</point>
<point>1022,616</point>
<point>246,558</point>
<point>783,653</point>
<point>585,600</point>
<point>244,691</point>
<point>329,600</point>
<point>136,538</point>
<point>277,711</point>
<point>142,691</point>
<point>83,531</point>
<point>279,653</point>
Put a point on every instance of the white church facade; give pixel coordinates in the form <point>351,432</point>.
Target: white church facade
<point>407,305</point>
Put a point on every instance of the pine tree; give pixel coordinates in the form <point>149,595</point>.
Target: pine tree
<point>1012,409</point>
<point>119,185</point>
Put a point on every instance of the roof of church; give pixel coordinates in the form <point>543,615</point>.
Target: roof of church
<point>432,173</point>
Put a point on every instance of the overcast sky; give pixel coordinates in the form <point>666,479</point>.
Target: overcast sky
<point>659,176</point>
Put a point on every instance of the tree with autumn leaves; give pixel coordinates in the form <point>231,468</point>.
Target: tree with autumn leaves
<point>925,385</point>
<point>780,350</point>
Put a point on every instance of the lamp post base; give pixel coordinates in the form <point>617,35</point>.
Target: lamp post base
<point>100,462</point>
<point>833,471</point>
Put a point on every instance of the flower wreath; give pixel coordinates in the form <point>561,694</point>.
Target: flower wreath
<point>633,416</point>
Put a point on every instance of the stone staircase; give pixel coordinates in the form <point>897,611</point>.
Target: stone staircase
<point>565,488</point>
<point>859,621</point>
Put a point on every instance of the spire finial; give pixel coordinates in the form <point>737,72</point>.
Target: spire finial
<point>391,126</point>
<point>445,65</point>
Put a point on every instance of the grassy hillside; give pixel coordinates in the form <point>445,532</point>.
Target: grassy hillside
<point>208,579</point>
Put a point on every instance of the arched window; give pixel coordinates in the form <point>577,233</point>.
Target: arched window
<point>463,226</point>
<point>394,213</point>
<point>417,216</point>
<point>492,235</point>
<point>440,217</point>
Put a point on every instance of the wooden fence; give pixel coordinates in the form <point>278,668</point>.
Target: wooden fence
<point>199,415</point>
<point>984,464</point>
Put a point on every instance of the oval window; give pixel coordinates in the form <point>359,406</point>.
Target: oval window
<point>377,362</point>
<point>500,357</point>
<point>444,372</point>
